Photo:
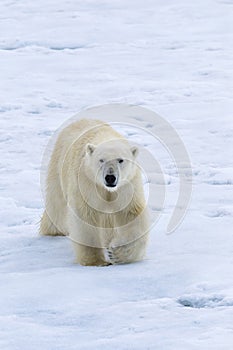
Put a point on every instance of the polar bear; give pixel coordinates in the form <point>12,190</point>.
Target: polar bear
<point>94,194</point>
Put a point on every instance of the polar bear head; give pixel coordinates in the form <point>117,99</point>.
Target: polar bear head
<point>111,164</point>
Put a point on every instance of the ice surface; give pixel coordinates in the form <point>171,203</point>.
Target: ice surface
<point>175,57</point>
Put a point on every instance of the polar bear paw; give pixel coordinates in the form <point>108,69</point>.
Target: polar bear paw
<point>112,257</point>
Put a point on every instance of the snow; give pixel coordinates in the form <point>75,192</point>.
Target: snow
<point>174,57</point>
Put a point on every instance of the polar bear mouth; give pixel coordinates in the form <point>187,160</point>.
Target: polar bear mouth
<point>110,180</point>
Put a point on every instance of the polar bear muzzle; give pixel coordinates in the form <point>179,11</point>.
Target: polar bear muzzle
<point>110,180</point>
<point>110,176</point>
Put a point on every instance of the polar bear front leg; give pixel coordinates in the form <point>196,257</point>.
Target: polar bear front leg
<point>134,251</point>
<point>86,242</point>
<point>89,256</point>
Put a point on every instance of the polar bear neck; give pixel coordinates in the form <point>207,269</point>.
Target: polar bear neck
<point>105,199</point>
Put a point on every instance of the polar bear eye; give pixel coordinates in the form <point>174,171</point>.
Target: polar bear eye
<point>120,160</point>
<point>101,161</point>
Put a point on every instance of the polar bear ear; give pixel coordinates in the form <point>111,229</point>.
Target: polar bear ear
<point>134,151</point>
<point>90,148</point>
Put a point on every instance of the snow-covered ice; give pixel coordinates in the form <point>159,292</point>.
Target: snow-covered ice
<point>174,57</point>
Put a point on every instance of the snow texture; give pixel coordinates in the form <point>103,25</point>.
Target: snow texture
<point>174,57</point>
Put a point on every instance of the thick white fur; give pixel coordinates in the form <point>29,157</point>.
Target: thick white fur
<point>106,225</point>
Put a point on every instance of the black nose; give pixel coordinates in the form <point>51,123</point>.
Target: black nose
<point>110,180</point>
